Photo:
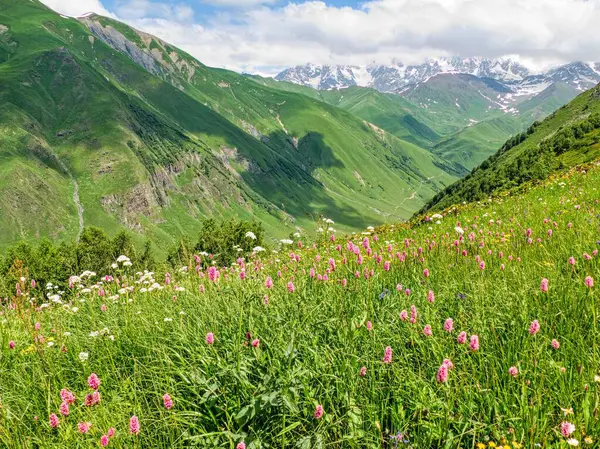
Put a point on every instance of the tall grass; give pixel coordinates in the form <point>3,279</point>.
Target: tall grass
<point>313,342</point>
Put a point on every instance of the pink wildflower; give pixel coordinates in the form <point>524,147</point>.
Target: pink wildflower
<point>269,282</point>
<point>427,331</point>
<point>534,328</point>
<point>213,274</point>
<point>589,282</point>
<point>167,401</point>
<point>426,272</point>
<point>255,343</point>
<point>318,411</point>
<point>363,371</point>
<point>413,314</point>
<point>555,343</point>
<point>449,325</point>
<point>210,338</point>
<point>387,356</point>
<point>474,343</point>
<point>462,338</point>
<point>442,374</point>
<point>404,315</point>
<point>111,432</point>
<point>11,344</point>
<point>93,381</point>
<point>134,425</point>
<point>513,371</point>
<point>290,287</point>
<point>544,285</point>
<point>566,428</point>
<point>67,396</point>
<point>92,399</point>
<point>241,445</point>
<point>64,408</point>
<point>104,440</point>
<point>431,296</point>
<point>84,427</point>
<point>448,363</point>
<point>54,421</point>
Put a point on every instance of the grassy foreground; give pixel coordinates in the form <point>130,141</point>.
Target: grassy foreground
<point>303,363</point>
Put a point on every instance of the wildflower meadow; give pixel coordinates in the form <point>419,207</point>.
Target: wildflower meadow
<point>473,328</point>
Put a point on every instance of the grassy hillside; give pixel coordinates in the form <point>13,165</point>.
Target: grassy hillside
<point>387,111</point>
<point>481,336</point>
<point>469,119</point>
<point>472,145</point>
<point>568,137</point>
<point>121,130</point>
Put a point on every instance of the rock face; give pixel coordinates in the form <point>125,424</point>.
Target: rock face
<point>156,56</point>
<point>118,41</point>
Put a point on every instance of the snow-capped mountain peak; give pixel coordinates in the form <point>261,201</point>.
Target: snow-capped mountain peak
<point>397,77</point>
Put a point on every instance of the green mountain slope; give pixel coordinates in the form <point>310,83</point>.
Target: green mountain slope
<point>387,111</point>
<point>115,128</point>
<point>461,118</point>
<point>472,145</point>
<point>475,143</point>
<point>568,137</point>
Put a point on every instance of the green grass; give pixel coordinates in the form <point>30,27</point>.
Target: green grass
<point>314,341</point>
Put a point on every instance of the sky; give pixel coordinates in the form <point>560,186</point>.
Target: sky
<point>266,36</point>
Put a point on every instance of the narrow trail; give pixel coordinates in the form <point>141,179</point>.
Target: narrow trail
<point>412,196</point>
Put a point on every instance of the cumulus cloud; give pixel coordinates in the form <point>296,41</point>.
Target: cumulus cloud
<point>76,8</point>
<point>270,37</point>
<point>138,9</point>
<point>237,3</point>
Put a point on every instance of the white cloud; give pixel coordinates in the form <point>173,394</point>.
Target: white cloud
<point>540,31</point>
<point>138,9</point>
<point>238,3</point>
<point>76,8</point>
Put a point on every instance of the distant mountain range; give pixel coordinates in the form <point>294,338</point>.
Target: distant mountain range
<point>399,78</point>
<point>468,106</point>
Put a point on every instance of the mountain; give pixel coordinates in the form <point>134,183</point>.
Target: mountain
<point>568,137</point>
<point>472,105</point>
<point>108,126</point>
<point>396,78</point>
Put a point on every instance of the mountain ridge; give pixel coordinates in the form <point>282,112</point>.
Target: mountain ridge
<point>397,78</point>
<point>156,142</point>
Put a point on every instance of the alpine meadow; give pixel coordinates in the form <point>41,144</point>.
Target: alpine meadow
<point>350,252</point>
